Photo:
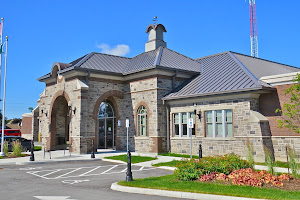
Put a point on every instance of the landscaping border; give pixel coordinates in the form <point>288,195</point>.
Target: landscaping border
<point>175,194</point>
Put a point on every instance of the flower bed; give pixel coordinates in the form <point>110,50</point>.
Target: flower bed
<point>247,177</point>
<point>190,170</point>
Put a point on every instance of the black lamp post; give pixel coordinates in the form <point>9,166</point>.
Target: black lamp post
<point>129,173</point>
<point>32,149</point>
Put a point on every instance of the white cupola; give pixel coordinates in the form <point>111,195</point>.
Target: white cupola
<point>156,37</point>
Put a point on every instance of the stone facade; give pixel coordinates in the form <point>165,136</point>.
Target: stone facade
<point>245,128</point>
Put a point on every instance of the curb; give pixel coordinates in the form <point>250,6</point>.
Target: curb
<point>176,194</point>
<point>113,161</point>
<point>49,161</point>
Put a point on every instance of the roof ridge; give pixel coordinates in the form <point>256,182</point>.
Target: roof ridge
<point>264,59</point>
<point>245,69</point>
<point>180,54</point>
<point>111,55</point>
<point>211,55</point>
<point>158,56</point>
<point>84,59</point>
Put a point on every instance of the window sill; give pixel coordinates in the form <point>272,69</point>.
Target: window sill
<point>186,138</point>
<point>219,138</point>
<point>141,137</point>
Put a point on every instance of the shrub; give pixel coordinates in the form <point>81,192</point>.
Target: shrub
<point>293,160</point>
<point>250,157</point>
<point>16,148</point>
<point>5,148</point>
<point>269,160</point>
<point>191,170</point>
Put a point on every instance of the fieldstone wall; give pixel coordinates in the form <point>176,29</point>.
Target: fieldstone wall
<point>68,90</point>
<point>244,129</point>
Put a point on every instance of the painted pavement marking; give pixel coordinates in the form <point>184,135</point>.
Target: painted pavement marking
<point>86,171</point>
<point>74,181</point>
<point>53,197</point>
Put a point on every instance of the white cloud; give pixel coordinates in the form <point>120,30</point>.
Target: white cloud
<point>118,50</point>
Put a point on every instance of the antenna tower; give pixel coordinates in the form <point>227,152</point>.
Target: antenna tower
<point>253,29</point>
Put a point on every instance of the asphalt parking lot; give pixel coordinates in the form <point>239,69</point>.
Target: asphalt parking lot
<point>70,180</point>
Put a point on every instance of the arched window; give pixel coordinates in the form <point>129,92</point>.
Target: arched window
<point>142,121</point>
<point>106,110</point>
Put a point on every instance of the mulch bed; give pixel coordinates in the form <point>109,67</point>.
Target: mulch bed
<point>13,156</point>
<point>289,185</point>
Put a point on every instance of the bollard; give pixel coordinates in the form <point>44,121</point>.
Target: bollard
<point>200,151</point>
<point>93,150</point>
<point>32,149</point>
<point>129,173</point>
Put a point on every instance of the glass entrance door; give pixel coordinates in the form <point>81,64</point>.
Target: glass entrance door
<point>106,130</point>
<point>101,134</point>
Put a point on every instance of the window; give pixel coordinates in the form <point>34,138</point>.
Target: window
<point>218,123</point>
<point>180,124</point>
<point>142,121</point>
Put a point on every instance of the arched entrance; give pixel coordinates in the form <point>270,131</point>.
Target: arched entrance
<point>59,124</point>
<point>106,128</point>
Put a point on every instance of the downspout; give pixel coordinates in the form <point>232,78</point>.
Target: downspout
<point>174,80</point>
<point>168,125</point>
<point>87,77</point>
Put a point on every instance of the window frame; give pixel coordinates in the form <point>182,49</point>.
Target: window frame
<point>182,124</point>
<point>224,123</point>
<point>139,121</point>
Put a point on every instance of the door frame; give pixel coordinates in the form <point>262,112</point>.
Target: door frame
<point>105,132</point>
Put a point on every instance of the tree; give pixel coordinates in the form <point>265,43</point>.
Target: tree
<point>292,109</point>
<point>30,109</point>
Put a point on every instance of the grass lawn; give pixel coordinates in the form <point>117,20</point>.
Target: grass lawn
<point>169,182</point>
<point>134,159</point>
<point>172,163</point>
<point>1,157</point>
<point>37,148</point>
<point>178,155</point>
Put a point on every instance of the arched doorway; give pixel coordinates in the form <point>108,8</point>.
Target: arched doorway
<point>106,122</point>
<point>59,124</point>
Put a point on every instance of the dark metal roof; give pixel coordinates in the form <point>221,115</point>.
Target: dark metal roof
<point>103,62</point>
<point>260,67</point>
<point>162,57</point>
<point>222,73</point>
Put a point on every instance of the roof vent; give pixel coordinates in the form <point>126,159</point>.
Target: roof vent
<point>156,37</point>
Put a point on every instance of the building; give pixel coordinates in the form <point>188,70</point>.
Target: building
<point>231,98</point>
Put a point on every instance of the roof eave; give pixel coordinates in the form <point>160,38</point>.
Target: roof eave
<point>219,93</point>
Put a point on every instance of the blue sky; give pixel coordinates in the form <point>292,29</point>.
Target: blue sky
<point>44,32</point>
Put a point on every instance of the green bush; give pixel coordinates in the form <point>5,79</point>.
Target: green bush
<point>250,157</point>
<point>293,160</point>
<point>189,170</point>
<point>269,160</point>
<point>17,148</point>
<point>5,148</point>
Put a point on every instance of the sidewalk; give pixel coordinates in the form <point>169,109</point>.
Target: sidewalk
<point>65,156</point>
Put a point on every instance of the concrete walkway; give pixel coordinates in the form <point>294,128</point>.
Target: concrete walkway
<point>42,157</point>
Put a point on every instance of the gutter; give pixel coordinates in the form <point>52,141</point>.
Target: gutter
<point>217,93</point>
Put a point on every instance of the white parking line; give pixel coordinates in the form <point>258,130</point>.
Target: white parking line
<point>89,171</point>
<point>110,169</point>
<point>68,173</point>
<point>85,171</point>
<point>52,172</point>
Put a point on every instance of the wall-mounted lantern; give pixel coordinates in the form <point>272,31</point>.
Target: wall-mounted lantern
<point>74,110</point>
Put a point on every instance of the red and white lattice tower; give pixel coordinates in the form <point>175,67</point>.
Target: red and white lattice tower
<point>253,29</point>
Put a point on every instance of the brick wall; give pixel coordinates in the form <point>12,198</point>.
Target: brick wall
<point>26,127</point>
<point>268,103</point>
